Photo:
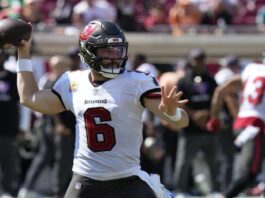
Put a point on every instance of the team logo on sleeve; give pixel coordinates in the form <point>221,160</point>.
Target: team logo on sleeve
<point>73,86</point>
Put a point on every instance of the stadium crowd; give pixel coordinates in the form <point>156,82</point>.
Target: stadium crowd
<point>199,160</point>
<point>178,17</point>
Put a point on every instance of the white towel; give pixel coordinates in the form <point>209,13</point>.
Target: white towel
<point>246,135</point>
<point>153,180</point>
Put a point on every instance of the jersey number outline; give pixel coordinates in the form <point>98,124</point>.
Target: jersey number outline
<point>96,131</point>
<point>256,97</point>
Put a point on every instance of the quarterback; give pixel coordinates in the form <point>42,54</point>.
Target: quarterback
<point>108,102</point>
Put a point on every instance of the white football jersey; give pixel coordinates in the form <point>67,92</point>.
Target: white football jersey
<point>109,126</point>
<point>253,95</point>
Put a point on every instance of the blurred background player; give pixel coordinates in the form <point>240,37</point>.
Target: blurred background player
<point>230,66</point>
<point>9,128</point>
<point>248,126</point>
<point>166,129</point>
<point>198,86</point>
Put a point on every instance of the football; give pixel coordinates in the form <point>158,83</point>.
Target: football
<point>13,31</point>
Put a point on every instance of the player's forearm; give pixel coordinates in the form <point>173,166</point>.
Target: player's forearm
<point>44,101</point>
<point>27,86</point>
<point>232,105</point>
<point>231,86</point>
<point>26,82</point>
<point>216,103</point>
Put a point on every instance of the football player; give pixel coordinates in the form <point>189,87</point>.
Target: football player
<point>108,103</point>
<point>249,125</point>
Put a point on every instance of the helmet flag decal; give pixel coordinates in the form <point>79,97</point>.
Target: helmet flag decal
<point>87,32</point>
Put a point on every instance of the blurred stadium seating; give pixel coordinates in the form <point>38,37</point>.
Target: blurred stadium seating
<point>244,41</point>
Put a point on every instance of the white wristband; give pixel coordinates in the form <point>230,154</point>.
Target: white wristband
<point>175,117</point>
<point>24,65</point>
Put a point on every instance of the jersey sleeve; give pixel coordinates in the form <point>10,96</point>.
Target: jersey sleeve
<point>148,88</point>
<point>61,89</point>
